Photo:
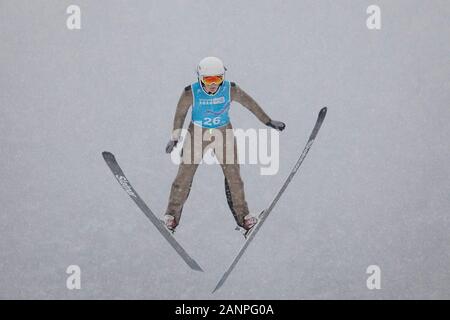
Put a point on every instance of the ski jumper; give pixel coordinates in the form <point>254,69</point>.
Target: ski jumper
<point>210,115</point>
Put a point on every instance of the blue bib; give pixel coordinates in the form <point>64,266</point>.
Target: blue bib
<point>211,110</point>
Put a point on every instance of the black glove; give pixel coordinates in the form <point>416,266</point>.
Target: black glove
<point>277,125</point>
<point>170,145</point>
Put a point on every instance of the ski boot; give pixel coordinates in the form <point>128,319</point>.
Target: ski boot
<point>248,225</point>
<point>170,222</point>
<point>249,222</point>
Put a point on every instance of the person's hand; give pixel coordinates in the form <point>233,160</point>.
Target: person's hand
<point>170,145</point>
<point>277,125</point>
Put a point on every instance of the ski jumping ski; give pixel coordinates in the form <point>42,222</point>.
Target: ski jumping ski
<point>126,185</point>
<point>263,216</point>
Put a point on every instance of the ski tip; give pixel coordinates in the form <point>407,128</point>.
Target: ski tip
<point>107,155</point>
<point>323,111</point>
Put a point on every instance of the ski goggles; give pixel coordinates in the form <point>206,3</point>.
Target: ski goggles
<point>208,80</point>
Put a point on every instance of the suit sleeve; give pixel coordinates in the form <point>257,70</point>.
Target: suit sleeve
<point>239,95</point>
<point>184,103</point>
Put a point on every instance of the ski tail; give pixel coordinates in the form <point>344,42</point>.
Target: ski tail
<point>126,185</point>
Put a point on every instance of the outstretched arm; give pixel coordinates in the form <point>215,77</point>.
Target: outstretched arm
<point>239,95</point>
<point>184,103</point>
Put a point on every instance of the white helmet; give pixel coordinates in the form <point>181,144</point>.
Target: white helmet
<point>211,66</point>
